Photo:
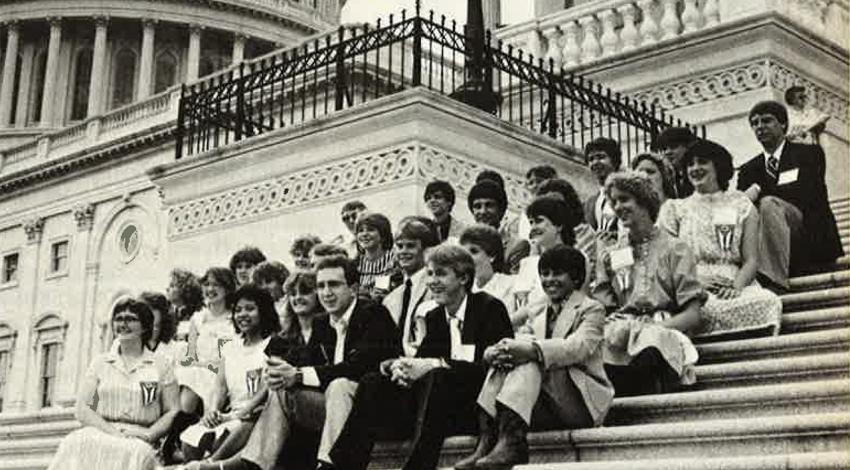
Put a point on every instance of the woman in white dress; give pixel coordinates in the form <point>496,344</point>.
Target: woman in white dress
<point>162,339</point>
<point>209,330</point>
<point>485,245</point>
<point>126,403</point>
<point>721,226</point>
<point>240,389</point>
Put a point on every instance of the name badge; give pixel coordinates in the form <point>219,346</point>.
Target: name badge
<point>148,392</point>
<point>252,381</point>
<point>788,176</point>
<point>382,282</point>
<point>724,227</point>
<point>466,353</point>
<point>622,258</point>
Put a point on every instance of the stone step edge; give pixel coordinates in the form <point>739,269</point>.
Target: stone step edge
<point>792,342</point>
<point>820,390</point>
<point>42,416</point>
<point>795,301</point>
<point>829,279</point>
<point>798,461</point>
<point>801,318</point>
<point>755,368</point>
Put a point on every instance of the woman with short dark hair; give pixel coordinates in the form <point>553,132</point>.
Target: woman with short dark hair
<point>375,261</point>
<point>127,400</point>
<point>485,245</point>
<point>721,225</point>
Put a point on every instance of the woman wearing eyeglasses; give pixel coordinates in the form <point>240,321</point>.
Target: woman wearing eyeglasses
<point>126,403</point>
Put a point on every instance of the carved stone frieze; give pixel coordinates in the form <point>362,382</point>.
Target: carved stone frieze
<point>84,215</point>
<point>739,79</point>
<point>320,183</point>
<point>34,227</point>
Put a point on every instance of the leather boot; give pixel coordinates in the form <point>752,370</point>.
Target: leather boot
<point>486,441</point>
<point>512,447</point>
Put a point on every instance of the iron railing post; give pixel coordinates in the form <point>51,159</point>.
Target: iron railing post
<point>340,88</point>
<point>240,103</point>
<point>417,48</point>
<point>180,132</point>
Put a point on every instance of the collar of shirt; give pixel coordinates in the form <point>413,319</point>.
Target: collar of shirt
<point>777,153</point>
<point>342,322</point>
<point>113,357</point>
<point>460,314</point>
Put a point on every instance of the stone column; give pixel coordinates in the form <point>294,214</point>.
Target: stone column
<point>98,68</point>
<point>492,10</point>
<point>9,68</point>
<point>20,395</point>
<point>146,60</point>
<point>50,72</point>
<point>70,377</point>
<point>194,59</point>
<point>238,48</point>
<point>25,84</point>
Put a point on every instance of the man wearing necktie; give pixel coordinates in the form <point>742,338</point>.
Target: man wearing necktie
<point>673,142</point>
<point>432,395</point>
<point>551,376</point>
<point>786,182</point>
<point>365,335</point>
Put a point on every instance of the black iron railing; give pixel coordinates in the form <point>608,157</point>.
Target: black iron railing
<point>358,64</point>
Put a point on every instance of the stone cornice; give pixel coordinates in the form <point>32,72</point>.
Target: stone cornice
<point>27,179</point>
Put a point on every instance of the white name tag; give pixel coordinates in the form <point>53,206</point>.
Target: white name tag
<point>621,258</point>
<point>382,282</point>
<point>724,216</point>
<point>788,176</point>
<point>466,353</point>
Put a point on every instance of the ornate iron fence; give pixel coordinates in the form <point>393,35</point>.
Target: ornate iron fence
<point>357,64</point>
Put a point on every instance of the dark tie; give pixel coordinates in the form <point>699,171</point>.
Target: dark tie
<point>551,318</point>
<point>773,167</point>
<point>405,304</point>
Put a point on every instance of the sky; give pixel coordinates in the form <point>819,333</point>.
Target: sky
<point>356,11</point>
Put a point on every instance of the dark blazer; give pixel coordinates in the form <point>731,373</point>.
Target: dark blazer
<point>590,211</point>
<point>316,352</point>
<point>683,185</point>
<point>485,322</point>
<point>370,338</point>
<point>821,242</point>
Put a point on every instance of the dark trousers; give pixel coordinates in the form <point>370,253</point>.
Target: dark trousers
<point>440,404</point>
<point>647,374</point>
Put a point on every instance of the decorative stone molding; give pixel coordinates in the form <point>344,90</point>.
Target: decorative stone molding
<point>739,79</point>
<point>34,228</point>
<point>324,182</point>
<point>84,215</point>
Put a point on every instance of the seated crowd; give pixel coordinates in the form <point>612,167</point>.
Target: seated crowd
<point>437,329</point>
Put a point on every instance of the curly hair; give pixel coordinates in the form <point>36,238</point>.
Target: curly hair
<point>223,277</point>
<point>269,319</point>
<point>564,259</point>
<point>167,322</point>
<point>270,271</point>
<point>304,244</point>
<point>568,194</point>
<point>639,186</point>
<point>189,293</point>
<point>249,254</point>
<point>664,169</point>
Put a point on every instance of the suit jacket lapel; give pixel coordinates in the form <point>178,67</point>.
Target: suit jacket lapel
<point>568,315</point>
<point>467,335</point>
<point>538,325</point>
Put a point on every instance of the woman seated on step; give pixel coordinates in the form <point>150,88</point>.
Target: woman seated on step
<point>240,389</point>
<point>484,243</point>
<point>721,226</point>
<point>127,400</point>
<point>648,282</point>
<point>550,378</point>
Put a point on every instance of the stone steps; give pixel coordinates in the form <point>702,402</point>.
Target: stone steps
<point>797,301</point>
<point>791,345</point>
<point>824,396</point>
<point>811,320</point>
<point>786,371</point>
<point>736,437</point>
<point>804,461</point>
<point>36,463</point>
<point>820,281</point>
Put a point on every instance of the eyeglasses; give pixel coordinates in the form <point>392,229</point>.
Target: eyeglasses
<point>125,319</point>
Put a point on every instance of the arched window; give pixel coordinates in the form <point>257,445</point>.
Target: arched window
<point>166,71</point>
<point>82,79</point>
<point>37,92</point>
<point>124,77</point>
<point>7,346</point>
<point>49,334</point>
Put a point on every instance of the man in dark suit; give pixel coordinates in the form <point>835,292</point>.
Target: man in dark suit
<point>364,334</point>
<point>604,157</point>
<point>432,395</point>
<point>786,182</point>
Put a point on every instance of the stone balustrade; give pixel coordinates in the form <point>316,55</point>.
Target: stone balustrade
<point>122,122</point>
<point>594,31</point>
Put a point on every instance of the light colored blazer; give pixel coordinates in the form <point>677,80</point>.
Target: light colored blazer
<point>575,349</point>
